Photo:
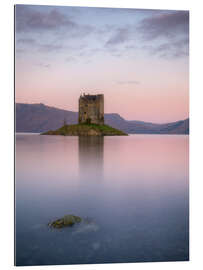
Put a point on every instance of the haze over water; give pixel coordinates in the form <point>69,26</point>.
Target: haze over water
<point>134,189</point>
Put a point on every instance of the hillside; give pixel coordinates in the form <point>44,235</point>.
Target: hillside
<point>41,118</point>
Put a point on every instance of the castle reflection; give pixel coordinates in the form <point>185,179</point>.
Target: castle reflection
<point>91,156</point>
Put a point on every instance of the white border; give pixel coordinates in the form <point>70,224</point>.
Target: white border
<point>196,137</point>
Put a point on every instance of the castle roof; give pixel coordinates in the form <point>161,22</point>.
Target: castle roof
<point>91,97</point>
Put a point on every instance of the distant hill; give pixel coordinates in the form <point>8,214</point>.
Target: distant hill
<point>41,118</point>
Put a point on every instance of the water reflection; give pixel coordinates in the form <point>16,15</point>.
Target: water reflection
<point>134,188</point>
<point>91,156</point>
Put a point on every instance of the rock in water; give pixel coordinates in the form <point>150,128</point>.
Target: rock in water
<point>66,221</point>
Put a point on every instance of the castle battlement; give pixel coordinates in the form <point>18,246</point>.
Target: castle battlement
<point>91,109</point>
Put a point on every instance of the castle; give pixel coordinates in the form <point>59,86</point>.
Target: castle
<point>91,109</point>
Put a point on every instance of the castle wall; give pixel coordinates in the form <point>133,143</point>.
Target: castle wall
<point>91,109</point>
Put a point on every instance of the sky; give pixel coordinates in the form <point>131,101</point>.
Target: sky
<point>137,58</point>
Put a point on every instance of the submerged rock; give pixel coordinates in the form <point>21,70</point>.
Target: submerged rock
<point>66,221</point>
<point>86,227</point>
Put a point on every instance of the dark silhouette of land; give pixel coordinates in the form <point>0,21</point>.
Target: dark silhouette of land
<point>41,118</point>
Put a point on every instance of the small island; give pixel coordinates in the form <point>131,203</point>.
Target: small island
<point>90,120</point>
<point>86,130</point>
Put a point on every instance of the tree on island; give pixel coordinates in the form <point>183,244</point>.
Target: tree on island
<point>64,122</point>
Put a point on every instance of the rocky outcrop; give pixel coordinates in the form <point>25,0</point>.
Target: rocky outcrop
<point>66,221</point>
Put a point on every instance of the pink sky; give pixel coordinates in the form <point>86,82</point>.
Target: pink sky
<point>143,75</point>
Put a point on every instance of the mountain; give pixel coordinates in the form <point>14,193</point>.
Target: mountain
<point>41,118</point>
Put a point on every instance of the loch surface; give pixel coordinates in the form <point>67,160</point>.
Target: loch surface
<point>134,189</point>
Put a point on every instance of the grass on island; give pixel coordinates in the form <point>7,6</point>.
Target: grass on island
<point>85,129</point>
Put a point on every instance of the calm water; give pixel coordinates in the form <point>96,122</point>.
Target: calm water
<point>135,190</point>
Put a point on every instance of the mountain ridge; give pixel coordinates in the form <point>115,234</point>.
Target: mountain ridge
<point>38,117</point>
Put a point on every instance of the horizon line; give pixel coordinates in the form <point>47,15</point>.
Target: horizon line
<point>105,113</point>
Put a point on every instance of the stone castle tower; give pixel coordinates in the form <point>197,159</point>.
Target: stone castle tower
<point>91,109</point>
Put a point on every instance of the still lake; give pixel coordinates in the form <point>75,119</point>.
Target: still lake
<point>135,189</point>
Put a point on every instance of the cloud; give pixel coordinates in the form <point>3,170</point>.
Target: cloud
<point>43,65</point>
<point>26,41</point>
<point>47,30</point>
<point>31,19</point>
<point>165,25</point>
<point>42,47</point>
<point>70,59</point>
<point>128,82</point>
<point>162,33</point>
<point>171,29</point>
<point>173,49</point>
<point>121,36</point>
<point>20,51</point>
<point>49,47</point>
